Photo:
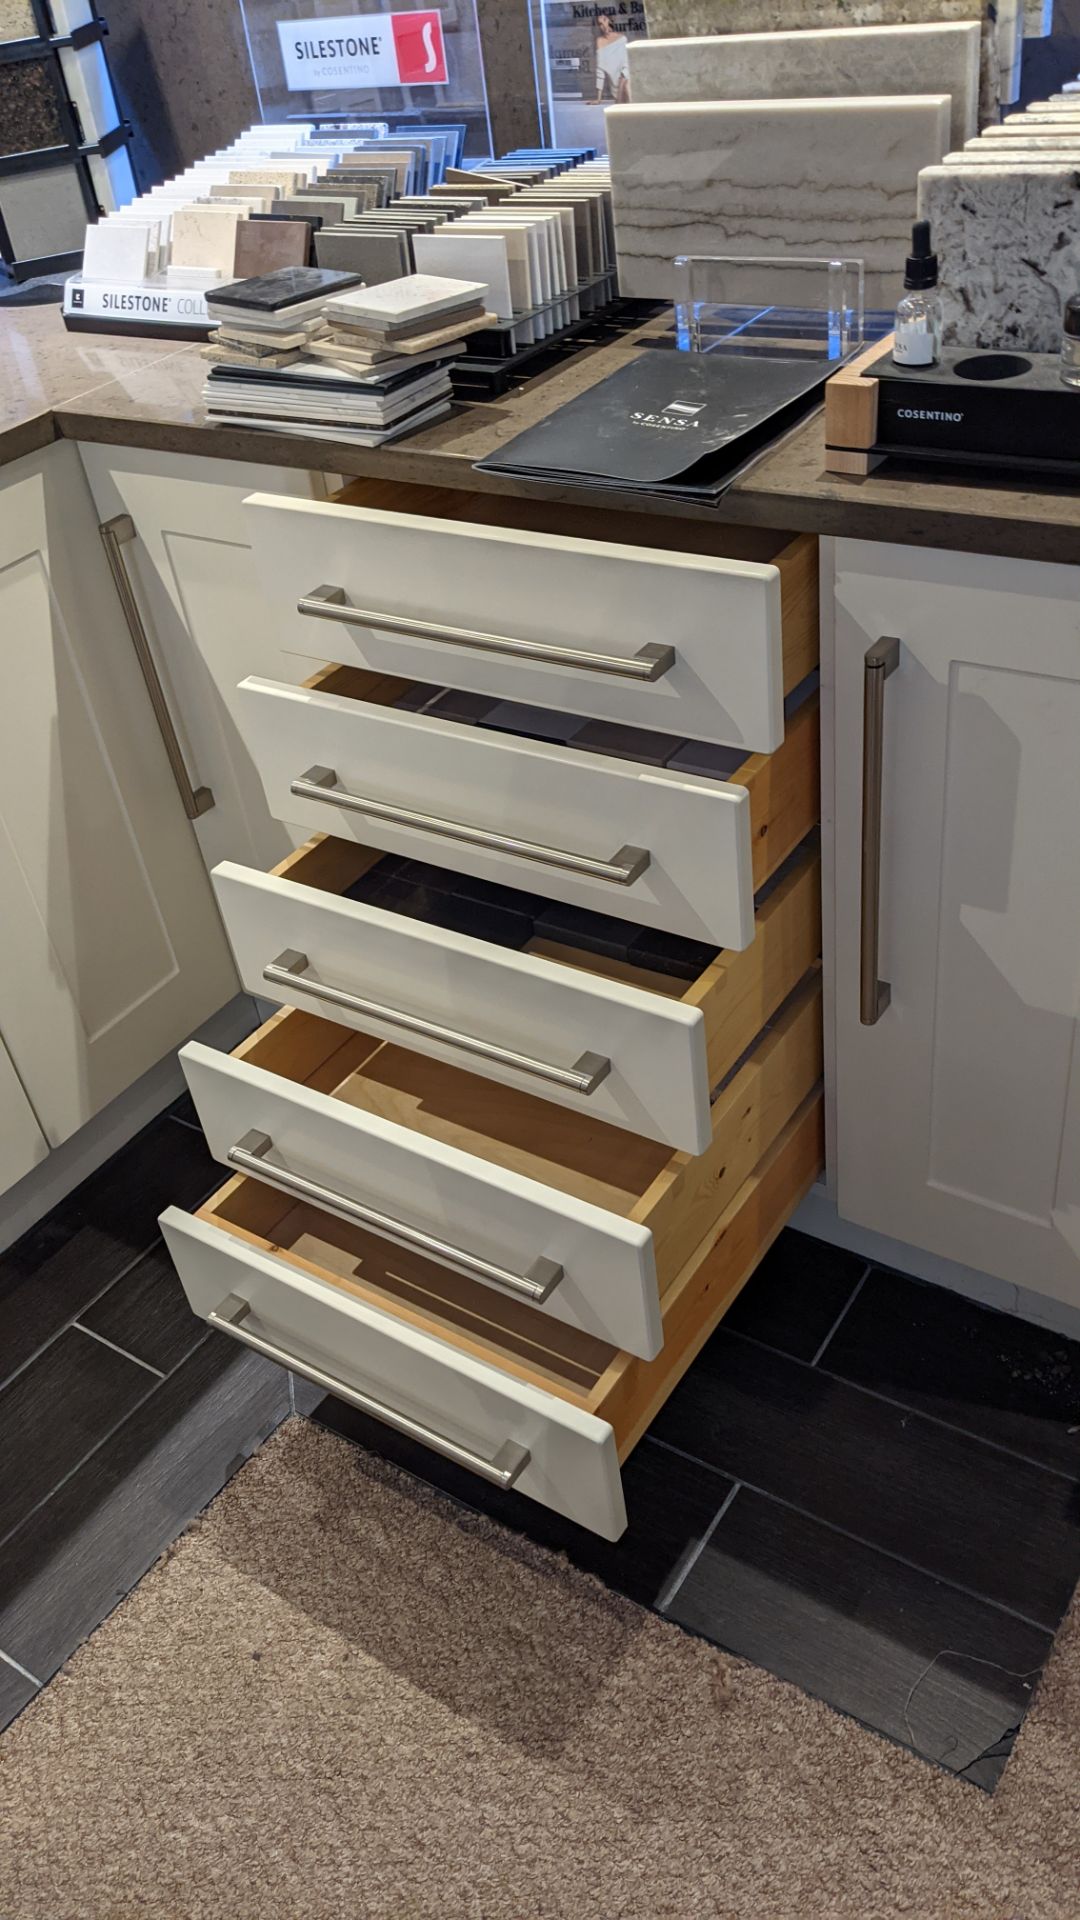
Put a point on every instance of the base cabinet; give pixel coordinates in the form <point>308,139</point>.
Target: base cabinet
<point>958,1111</point>
<point>196,584</point>
<point>112,950</point>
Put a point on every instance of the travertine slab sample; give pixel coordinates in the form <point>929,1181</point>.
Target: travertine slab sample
<point>1008,245</point>
<point>690,18</point>
<point>844,61</point>
<point>751,178</point>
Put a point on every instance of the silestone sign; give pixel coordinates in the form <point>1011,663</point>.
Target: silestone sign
<point>363,50</point>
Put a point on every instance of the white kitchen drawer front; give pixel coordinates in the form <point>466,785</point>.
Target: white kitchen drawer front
<point>646,844</point>
<point>680,642</point>
<point>614,1051</point>
<point>531,1242</point>
<point>503,1428</point>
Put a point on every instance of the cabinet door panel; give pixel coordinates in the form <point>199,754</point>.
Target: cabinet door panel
<point>208,621</point>
<point>112,949</point>
<point>22,1143</point>
<point>958,1114</point>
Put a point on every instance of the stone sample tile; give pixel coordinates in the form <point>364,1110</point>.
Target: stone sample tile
<point>205,237</point>
<point>1008,247</point>
<point>982,153</point>
<point>29,106</point>
<point>751,178</point>
<point>844,61</point>
<point>691,18</point>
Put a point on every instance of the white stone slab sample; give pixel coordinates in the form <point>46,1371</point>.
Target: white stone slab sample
<point>479,257</point>
<point>691,18</point>
<point>751,178</point>
<point>834,61</point>
<point>1008,245</point>
<point>204,238</point>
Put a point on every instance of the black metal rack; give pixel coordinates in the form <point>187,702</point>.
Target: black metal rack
<point>73,153</point>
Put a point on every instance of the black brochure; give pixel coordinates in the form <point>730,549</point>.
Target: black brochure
<point>678,422</point>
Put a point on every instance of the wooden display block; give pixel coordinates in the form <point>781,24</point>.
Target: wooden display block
<point>851,414</point>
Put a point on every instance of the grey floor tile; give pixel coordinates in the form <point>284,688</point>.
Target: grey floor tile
<point>55,1412</point>
<point>80,1552</point>
<point>146,1312</point>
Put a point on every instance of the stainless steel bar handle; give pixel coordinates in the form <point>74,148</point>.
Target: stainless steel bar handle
<point>649,663</point>
<point>624,867</point>
<point>249,1155</point>
<point>508,1465</point>
<point>115,534</point>
<point>881,660</point>
<point>290,970</point>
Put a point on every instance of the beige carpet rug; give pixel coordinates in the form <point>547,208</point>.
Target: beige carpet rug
<point>341,1697</point>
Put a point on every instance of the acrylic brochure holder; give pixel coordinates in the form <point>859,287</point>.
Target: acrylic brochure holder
<point>755,342</point>
<point>785,306</point>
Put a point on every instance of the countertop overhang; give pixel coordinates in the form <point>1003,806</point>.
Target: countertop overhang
<point>146,393</point>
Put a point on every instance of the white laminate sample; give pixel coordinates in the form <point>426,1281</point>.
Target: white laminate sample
<point>812,178</point>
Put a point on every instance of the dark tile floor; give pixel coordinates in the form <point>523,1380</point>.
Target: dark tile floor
<point>121,1414</point>
<point>864,1484</point>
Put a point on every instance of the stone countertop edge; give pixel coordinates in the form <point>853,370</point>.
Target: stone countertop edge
<point>787,487</point>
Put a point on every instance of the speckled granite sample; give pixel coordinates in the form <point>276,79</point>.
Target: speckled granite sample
<point>29,107</point>
<point>17,20</point>
<point>751,178</point>
<point>1008,247</point>
<point>846,61</point>
<point>682,18</point>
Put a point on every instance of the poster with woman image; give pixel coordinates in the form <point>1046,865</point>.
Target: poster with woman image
<point>582,59</point>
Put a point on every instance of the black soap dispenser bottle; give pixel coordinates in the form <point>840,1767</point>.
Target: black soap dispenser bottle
<point>917,340</point>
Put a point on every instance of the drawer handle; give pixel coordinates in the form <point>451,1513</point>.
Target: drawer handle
<point>882,659</point>
<point>624,867</point>
<point>114,534</point>
<point>649,663</point>
<point>507,1467</point>
<point>290,969</point>
<point>249,1156</point>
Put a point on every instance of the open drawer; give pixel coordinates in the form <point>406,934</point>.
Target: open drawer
<point>679,851</point>
<point>585,1223</point>
<point>520,1398</point>
<point>621,1043</point>
<point>616,625</point>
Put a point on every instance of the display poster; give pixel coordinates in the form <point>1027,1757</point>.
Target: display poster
<point>407,65</point>
<point>582,64</point>
<point>372,50</point>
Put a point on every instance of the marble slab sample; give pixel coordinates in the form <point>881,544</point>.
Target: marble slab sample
<point>811,178</point>
<point>1008,247</point>
<point>204,237</point>
<point>845,61</point>
<point>691,18</point>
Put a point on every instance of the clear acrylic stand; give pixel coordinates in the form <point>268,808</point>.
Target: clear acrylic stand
<point>801,308</point>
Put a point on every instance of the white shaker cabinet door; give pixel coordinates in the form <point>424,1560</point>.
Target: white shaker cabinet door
<point>112,949</point>
<point>958,1111</point>
<point>207,617</point>
<point>22,1143</point>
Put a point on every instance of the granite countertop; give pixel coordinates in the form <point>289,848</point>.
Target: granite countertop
<point>142,393</point>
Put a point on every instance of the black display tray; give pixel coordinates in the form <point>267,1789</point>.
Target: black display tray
<point>981,408</point>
